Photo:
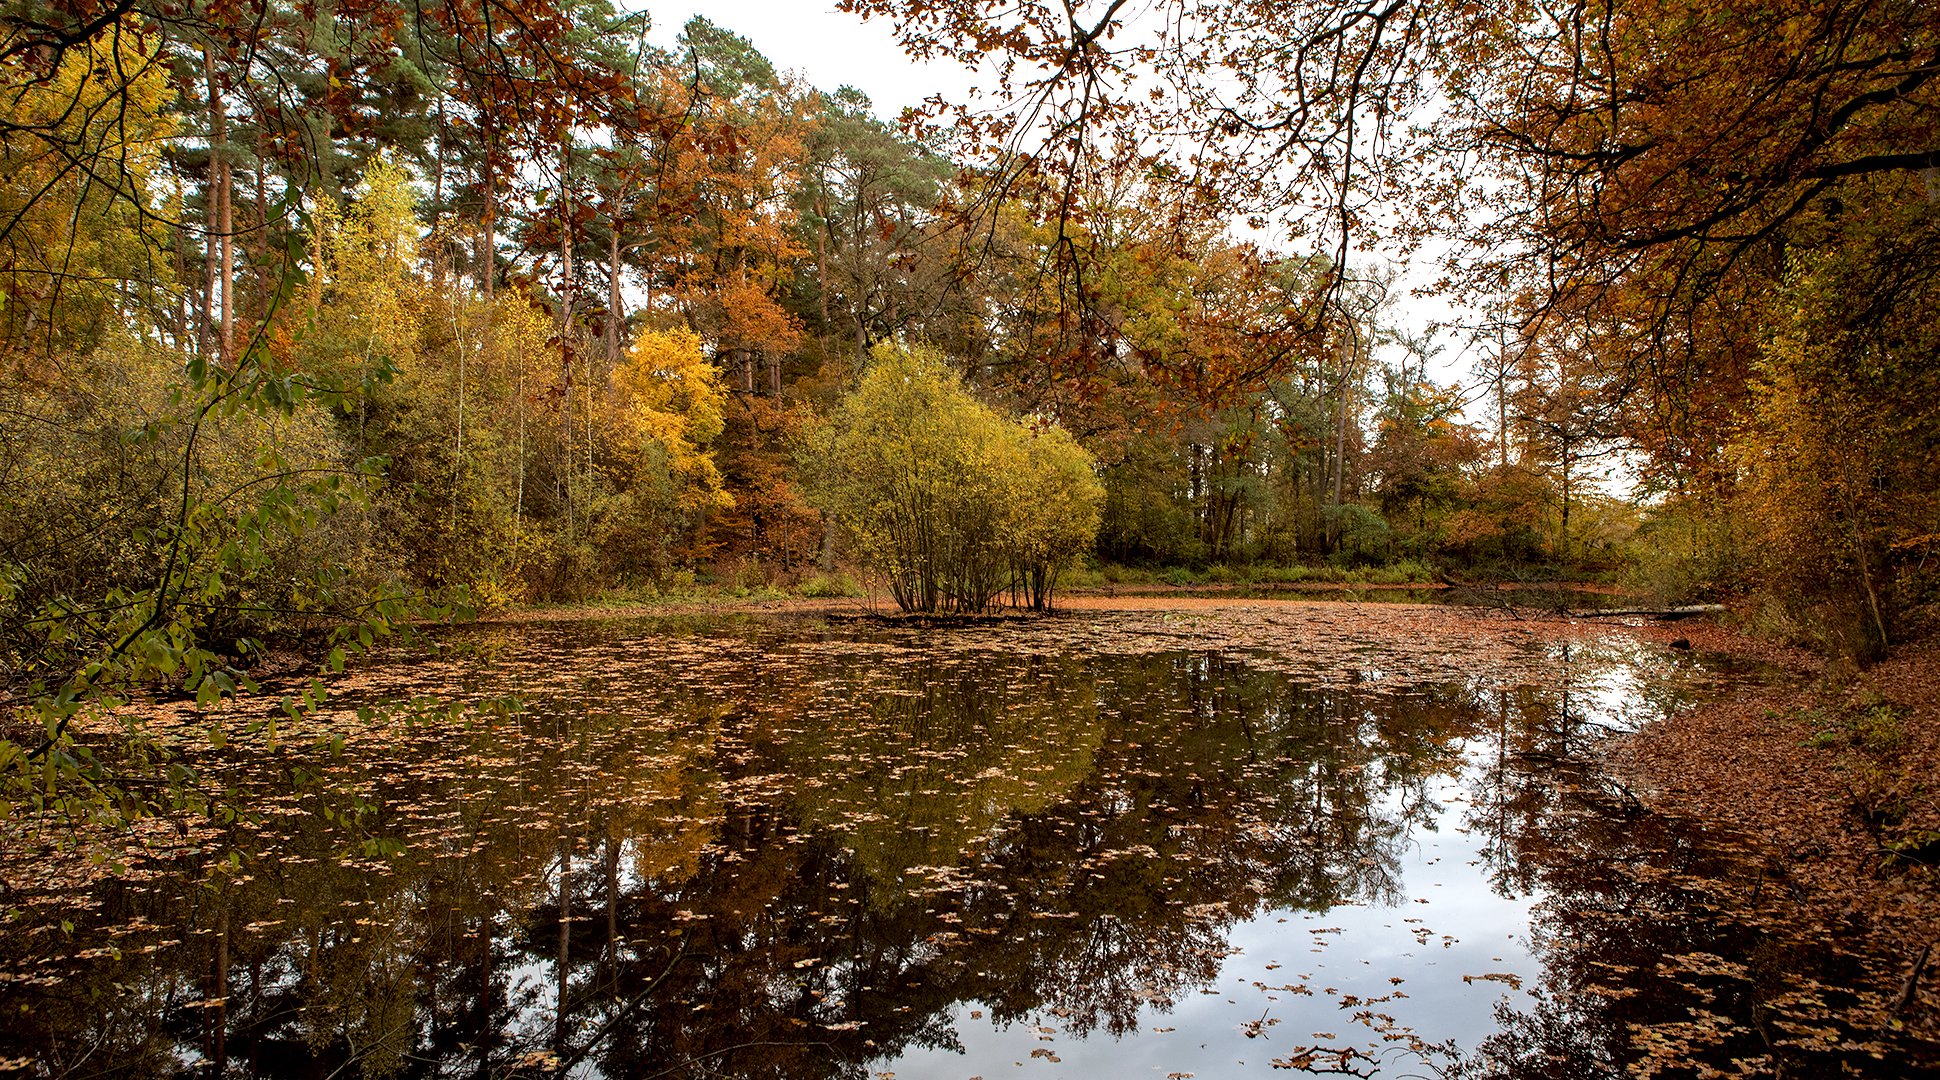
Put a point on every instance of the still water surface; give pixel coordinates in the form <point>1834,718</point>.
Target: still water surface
<point>1098,845</point>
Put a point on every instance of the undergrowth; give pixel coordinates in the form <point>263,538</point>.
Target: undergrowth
<point>1889,789</point>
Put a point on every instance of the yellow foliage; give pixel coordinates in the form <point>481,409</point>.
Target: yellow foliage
<point>948,499</point>
<point>75,191</point>
<point>1834,472</point>
<point>521,335</point>
<point>666,391</point>
<point>364,289</point>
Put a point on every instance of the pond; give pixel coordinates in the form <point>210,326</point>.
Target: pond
<point>1167,844</point>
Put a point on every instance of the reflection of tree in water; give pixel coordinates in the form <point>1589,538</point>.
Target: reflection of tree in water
<point>324,945</point>
<point>790,871</point>
<point>1540,744</point>
<point>1220,792</point>
<point>936,761</point>
<point>1666,950</point>
<point>1655,961</point>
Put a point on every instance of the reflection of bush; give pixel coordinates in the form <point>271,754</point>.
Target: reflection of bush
<point>940,759</point>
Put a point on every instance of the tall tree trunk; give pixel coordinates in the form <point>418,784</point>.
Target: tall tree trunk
<point>224,221</point>
<point>228,270</point>
<point>614,316</point>
<point>182,295</point>
<point>258,249</point>
<point>458,452</point>
<point>1502,399</point>
<point>1348,365</point>
<point>211,212</point>
<point>565,322</point>
<point>591,382</point>
<point>488,236</point>
<point>1563,542</point>
<point>438,201</point>
<point>565,237</point>
<point>518,500</point>
<point>822,275</point>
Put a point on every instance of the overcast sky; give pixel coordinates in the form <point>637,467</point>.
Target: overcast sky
<point>827,47</point>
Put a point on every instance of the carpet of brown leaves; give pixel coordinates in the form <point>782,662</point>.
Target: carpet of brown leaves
<point>1786,768</point>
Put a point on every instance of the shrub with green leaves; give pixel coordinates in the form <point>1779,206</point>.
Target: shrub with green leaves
<point>951,502</point>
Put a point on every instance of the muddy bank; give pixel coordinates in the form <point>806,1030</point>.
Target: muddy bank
<point>1325,596</point>
<point>1519,600</point>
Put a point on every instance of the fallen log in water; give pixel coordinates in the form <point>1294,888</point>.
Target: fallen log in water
<point>1671,614</point>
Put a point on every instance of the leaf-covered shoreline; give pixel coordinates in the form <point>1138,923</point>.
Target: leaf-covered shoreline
<point>1837,800</point>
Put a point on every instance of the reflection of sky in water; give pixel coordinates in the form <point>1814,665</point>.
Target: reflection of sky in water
<point>1450,922</point>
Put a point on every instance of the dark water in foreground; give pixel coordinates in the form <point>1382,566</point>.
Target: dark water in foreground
<point>781,848</point>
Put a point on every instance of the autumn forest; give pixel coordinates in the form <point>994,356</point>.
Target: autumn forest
<point>339,336</point>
